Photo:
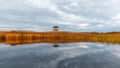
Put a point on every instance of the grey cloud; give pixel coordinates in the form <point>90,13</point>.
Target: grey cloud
<point>42,14</point>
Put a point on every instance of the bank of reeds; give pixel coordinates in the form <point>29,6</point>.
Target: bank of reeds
<point>30,37</point>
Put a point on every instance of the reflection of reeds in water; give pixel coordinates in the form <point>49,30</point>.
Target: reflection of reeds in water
<point>21,37</point>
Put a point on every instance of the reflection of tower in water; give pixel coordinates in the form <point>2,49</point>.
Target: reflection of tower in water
<point>55,45</point>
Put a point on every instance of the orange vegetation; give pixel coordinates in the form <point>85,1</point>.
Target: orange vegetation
<point>21,37</point>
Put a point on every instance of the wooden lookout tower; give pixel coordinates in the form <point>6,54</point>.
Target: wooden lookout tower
<point>55,28</point>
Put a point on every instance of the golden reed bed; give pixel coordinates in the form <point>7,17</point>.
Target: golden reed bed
<point>25,37</point>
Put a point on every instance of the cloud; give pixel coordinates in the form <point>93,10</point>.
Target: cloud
<point>117,17</point>
<point>84,25</point>
<point>75,15</point>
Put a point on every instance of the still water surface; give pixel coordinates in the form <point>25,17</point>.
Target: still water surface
<point>71,55</point>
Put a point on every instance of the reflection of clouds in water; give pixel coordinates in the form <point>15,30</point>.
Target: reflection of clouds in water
<point>117,54</point>
<point>4,46</point>
<point>99,45</point>
<point>35,56</point>
<point>91,58</point>
<point>75,51</point>
<point>90,61</point>
<point>84,46</point>
<point>46,56</point>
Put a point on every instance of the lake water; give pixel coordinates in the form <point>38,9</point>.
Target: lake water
<point>69,55</point>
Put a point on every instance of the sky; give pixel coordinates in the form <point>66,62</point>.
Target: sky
<point>69,15</point>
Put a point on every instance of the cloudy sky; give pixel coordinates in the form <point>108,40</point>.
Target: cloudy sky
<point>70,15</point>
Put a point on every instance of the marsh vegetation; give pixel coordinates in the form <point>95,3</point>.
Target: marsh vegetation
<point>22,37</point>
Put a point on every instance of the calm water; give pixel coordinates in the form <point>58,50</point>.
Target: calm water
<point>72,55</point>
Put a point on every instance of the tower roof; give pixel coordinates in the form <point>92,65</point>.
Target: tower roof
<point>55,27</point>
